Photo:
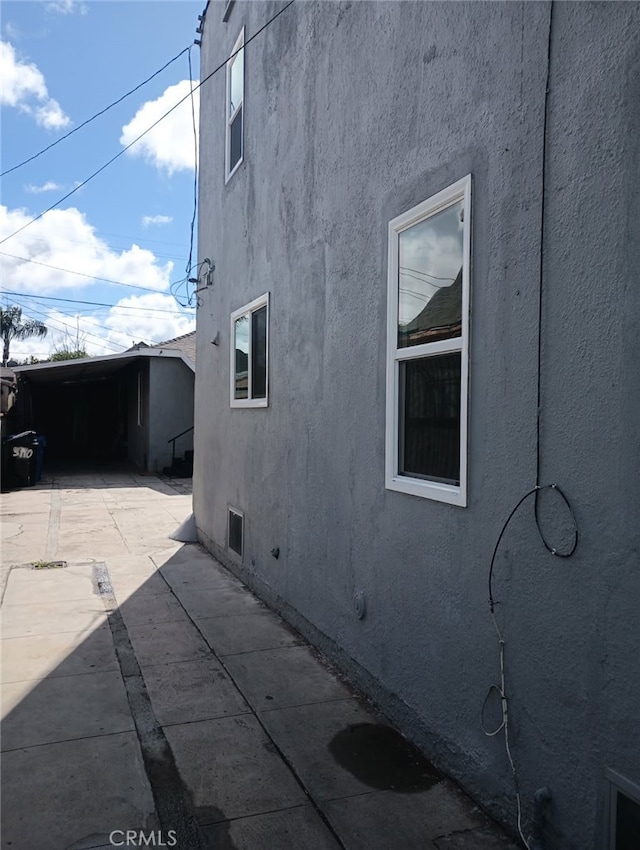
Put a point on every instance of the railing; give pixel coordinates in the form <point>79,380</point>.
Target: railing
<point>173,440</point>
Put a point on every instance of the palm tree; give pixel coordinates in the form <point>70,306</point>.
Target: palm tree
<point>12,327</point>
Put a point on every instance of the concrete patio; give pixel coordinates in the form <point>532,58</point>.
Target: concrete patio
<point>145,689</point>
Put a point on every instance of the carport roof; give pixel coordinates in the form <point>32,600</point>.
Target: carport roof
<point>100,367</point>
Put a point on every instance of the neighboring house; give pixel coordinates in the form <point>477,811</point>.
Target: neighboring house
<point>424,224</point>
<point>119,407</point>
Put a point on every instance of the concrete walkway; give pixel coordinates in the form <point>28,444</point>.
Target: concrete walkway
<point>145,689</point>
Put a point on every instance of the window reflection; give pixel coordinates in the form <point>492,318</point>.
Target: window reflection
<point>241,334</point>
<point>430,278</point>
<point>236,83</point>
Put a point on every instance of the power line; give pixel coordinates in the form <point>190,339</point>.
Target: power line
<point>148,130</point>
<point>98,340</point>
<point>195,170</point>
<point>31,309</point>
<point>421,280</point>
<point>119,236</point>
<point>93,303</point>
<point>52,320</point>
<point>420,296</point>
<point>93,117</point>
<point>73,315</point>
<point>155,241</point>
<point>82,274</point>
<point>122,248</point>
<point>426,274</point>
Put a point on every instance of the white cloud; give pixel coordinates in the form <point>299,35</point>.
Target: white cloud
<point>49,186</point>
<point>170,145</point>
<point>19,80</point>
<point>156,219</point>
<point>143,324</point>
<point>50,115</point>
<point>65,238</point>
<point>23,86</point>
<point>12,31</point>
<point>67,7</point>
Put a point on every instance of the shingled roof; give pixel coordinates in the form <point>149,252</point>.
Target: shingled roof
<point>185,344</point>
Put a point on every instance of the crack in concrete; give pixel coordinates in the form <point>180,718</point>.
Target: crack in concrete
<point>54,526</point>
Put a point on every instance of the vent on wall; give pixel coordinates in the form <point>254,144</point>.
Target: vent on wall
<point>236,531</point>
<point>624,812</point>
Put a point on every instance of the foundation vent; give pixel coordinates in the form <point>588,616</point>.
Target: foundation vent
<point>236,531</point>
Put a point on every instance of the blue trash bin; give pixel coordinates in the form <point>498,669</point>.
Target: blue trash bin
<point>19,453</point>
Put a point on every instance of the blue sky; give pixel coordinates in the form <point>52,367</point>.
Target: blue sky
<point>61,62</point>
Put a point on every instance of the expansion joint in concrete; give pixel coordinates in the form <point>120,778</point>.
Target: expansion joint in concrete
<point>54,526</point>
<point>172,806</point>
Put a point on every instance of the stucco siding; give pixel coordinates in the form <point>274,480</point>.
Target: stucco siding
<point>136,378</point>
<point>171,384</point>
<point>354,113</point>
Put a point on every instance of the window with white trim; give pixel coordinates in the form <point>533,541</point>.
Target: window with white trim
<point>427,347</point>
<point>250,354</point>
<point>234,144</point>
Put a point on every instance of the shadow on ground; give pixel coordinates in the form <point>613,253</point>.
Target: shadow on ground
<point>154,695</point>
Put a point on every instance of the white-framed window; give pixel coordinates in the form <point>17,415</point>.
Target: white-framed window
<point>250,354</point>
<point>623,811</point>
<point>234,114</point>
<point>427,347</point>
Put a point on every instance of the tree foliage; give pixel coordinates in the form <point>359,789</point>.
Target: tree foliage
<point>12,327</point>
<point>66,354</point>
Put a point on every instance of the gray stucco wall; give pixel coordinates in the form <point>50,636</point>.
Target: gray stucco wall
<point>137,432</point>
<point>355,112</point>
<point>171,384</point>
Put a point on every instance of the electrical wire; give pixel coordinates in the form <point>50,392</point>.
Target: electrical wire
<point>114,346</point>
<point>144,133</point>
<point>26,305</point>
<point>97,115</point>
<point>426,274</point>
<point>38,297</point>
<point>139,243</point>
<point>82,274</point>
<point>535,491</point>
<point>183,284</point>
<point>195,169</point>
<point>28,301</point>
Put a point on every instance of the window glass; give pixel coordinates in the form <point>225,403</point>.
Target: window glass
<point>236,82</point>
<point>241,327</point>
<point>430,257</point>
<point>235,140</point>
<point>429,397</point>
<point>259,353</point>
<point>249,366</point>
<point>627,823</point>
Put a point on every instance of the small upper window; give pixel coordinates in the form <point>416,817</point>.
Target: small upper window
<point>234,145</point>
<point>250,354</point>
<point>427,347</point>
